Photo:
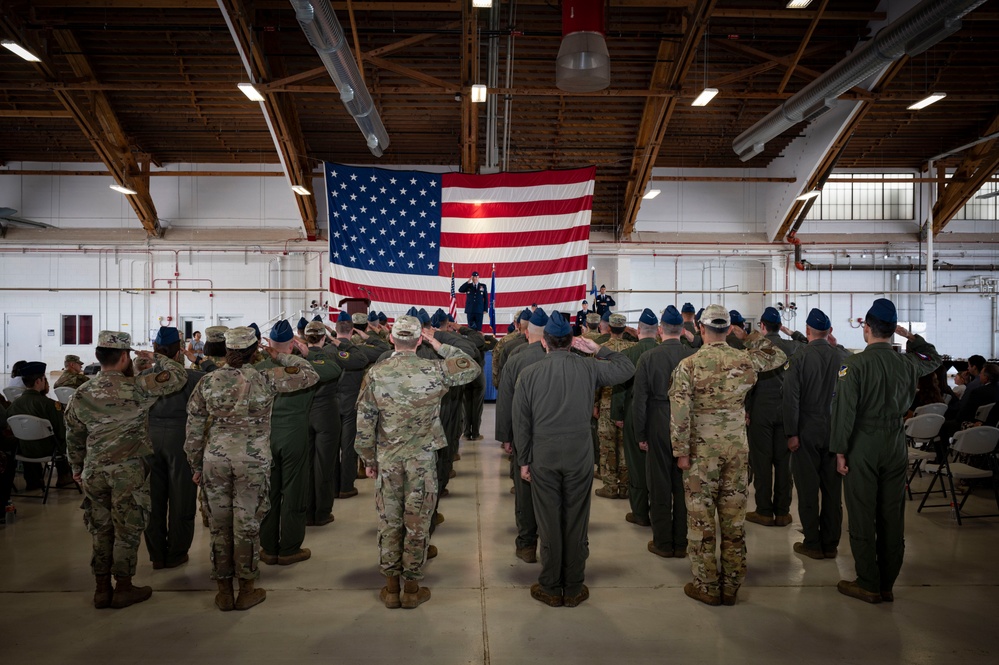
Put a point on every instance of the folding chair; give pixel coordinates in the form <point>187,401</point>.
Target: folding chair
<point>983,412</point>
<point>922,431</point>
<point>31,428</point>
<point>971,442</point>
<point>947,398</point>
<point>939,408</point>
<point>63,394</point>
<point>12,393</point>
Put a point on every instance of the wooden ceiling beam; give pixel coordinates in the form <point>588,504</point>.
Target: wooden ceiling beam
<point>34,113</point>
<point>797,14</point>
<point>413,74</point>
<point>469,109</point>
<point>979,165</point>
<point>279,111</point>
<point>672,64</point>
<point>804,44</point>
<point>376,6</point>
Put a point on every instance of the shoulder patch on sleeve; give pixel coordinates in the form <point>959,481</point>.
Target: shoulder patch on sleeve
<point>318,362</point>
<point>923,356</point>
<point>787,365</point>
<point>344,354</point>
<point>769,350</point>
<point>58,406</point>
<point>163,377</point>
<point>842,371</point>
<point>294,369</point>
<point>462,363</point>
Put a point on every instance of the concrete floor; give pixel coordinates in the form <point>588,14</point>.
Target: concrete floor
<point>327,609</point>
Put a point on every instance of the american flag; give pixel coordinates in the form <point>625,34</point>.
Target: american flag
<point>394,235</point>
<point>452,309</point>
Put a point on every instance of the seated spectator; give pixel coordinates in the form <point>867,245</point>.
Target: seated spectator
<point>927,392</point>
<point>15,374</point>
<point>33,402</point>
<point>944,385</point>
<point>986,393</point>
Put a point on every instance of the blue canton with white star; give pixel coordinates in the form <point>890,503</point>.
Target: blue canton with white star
<point>386,221</point>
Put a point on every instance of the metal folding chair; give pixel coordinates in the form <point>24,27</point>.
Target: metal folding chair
<point>983,412</point>
<point>977,441</point>
<point>32,428</point>
<point>63,394</point>
<point>12,392</point>
<point>922,433</point>
<point>938,408</point>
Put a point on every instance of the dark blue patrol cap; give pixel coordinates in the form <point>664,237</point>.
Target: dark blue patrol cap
<point>510,328</point>
<point>736,318</point>
<point>606,315</point>
<point>526,314</point>
<point>539,318</point>
<point>585,303</point>
<point>817,320</point>
<point>282,332</point>
<point>412,311</point>
<point>34,368</point>
<point>166,336</point>
<point>372,316</point>
<point>423,316</point>
<point>450,318</point>
<point>475,274</point>
<point>435,320</point>
<point>318,317</point>
<point>771,315</point>
<point>697,317</point>
<point>687,308</point>
<point>343,316</point>
<point>256,330</point>
<point>382,318</point>
<point>302,323</point>
<point>883,310</point>
<point>671,317</point>
<point>648,317</point>
<point>557,326</point>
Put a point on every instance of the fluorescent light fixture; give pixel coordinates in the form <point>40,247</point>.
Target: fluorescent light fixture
<point>123,190</point>
<point>478,93</point>
<point>301,191</point>
<point>798,4</point>
<point>990,195</point>
<point>926,101</point>
<point>252,93</point>
<point>482,4</point>
<point>16,48</point>
<point>706,96</point>
<point>809,195</point>
<point>651,194</point>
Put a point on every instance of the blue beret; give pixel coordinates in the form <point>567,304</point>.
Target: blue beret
<point>166,336</point>
<point>697,317</point>
<point>771,315</point>
<point>526,314</point>
<point>302,323</point>
<point>883,310</point>
<point>687,308</point>
<point>282,332</point>
<point>510,328</point>
<point>343,316</point>
<point>648,317</point>
<point>35,368</point>
<point>817,320</point>
<point>736,318</point>
<point>423,316</point>
<point>382,318</point>
<point>606,315</point>
<point>539,318</point>
<point>412,311</point>
<point>256,330</point>
<point>557,326</point>
<point>671,316</point>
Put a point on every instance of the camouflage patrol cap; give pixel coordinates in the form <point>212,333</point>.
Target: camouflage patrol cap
<point>359,318</point>
<point>617,320</point>
<point>407,327</point>
<point>314,328</point>
<point>241,337</point>
<point>592,318</point>
<point>72,359</point>
<point>114,339</point>
<point>215,334</point>
<point>716,316</point>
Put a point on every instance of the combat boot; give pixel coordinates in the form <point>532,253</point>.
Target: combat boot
<point>390,593</point>
<point>782,520</point>
<point>103,593</point>
<point>125,594</point>
<point>248,596</point>
<point>800,548</point>
<point>694,592</point>
<point>414,595</point>
<point>606,492</point>
<point>666,554</point>
<point>854,590</point>
<point>762,520</point>
<point>224,599</point>
<point>528,554</point>
<point>303,554</point>
<point>431,552</point>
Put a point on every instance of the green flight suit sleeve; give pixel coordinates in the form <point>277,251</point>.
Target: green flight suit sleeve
<point>367,425</point>
<point>504,407</point>
<point>456,340</point>
<point>326,367</point>
<point>294,374</point>
<point>76,437</point>
<point>844,407</point>
<point>922,355</point>
<point>798,337</point>
<point>640,400</point>
<point>348,356</point>
<point>523,423</point>
<point>457,368</point>
<point>196,437</point>
<point>681,394</point>
<point>792,397</point>
<point>764,355</point>
<point>168,378</point>
<point>613,367</point>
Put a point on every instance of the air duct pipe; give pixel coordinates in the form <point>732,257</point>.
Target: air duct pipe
<point>583,64</point>
<point>325,33</point>
<point>917,30</point>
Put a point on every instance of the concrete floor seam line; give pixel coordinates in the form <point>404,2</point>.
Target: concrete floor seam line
<point>482,571</point>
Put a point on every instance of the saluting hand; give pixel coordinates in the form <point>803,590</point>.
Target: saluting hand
<point>428,335</point>
<point>585,345</point>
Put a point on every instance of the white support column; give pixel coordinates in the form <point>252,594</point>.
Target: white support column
<point>624,283</point>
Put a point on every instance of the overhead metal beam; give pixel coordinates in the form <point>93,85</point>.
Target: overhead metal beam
<point>279,112</point>
<point>978,166</point>
<point>672,64</point>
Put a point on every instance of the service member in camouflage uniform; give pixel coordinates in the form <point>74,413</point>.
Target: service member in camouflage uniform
<point>809,384</point>
<point>214,355</point>
<point>874,390</point>
<point>228,448</point>
<point>592,326</point>
<point>708,432</point>
<point>769,457</point>
<point>398,433</point>
<point>613,465</point>
<point>72,373</point>
<point>651,412</point>
<point>107,439</point>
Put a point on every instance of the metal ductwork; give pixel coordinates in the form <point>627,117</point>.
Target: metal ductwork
<point>325,33</point>
<point>583,64</point>
<point>917,30</point>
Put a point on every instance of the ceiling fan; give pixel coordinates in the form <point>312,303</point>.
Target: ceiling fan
<point>7,218</point>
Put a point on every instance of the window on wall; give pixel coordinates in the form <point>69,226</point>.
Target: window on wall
<point>77,329</point>
<point>885,196</point>
<point>982,208</point>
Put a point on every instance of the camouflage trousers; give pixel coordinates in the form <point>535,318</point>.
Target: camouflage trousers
<point>716,483</point>
<point>613,469</point>
<point>405,496</point>
<point>236,480</point>
<point>116,512</point>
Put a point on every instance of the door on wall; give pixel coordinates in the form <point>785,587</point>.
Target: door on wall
<point>189,324</point>
<point>22,335</point>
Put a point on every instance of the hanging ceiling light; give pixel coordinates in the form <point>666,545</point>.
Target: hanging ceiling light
<point>809,195</point>
<point>706,96</point>
<point>301,191</point>
<point>583,64</point>
<point>19,50</point>
<point>479,93</point>
<point>926,101</point>
<point>651,194</point>
<point>482,4</point>
<point>251,93</point>
<point>798,4</point>
<point>123,190</point>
